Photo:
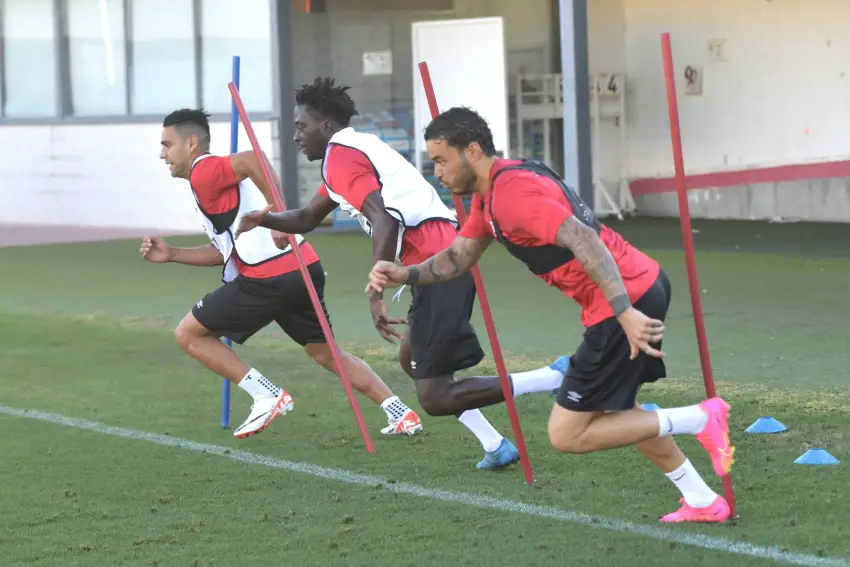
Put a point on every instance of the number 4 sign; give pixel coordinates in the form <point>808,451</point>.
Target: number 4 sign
<point>609,84</point>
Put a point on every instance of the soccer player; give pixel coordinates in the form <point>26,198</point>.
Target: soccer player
<point>623,293</point>
<point>407,221</point>
<point>262,282</point>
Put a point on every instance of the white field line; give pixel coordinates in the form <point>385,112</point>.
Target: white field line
<point>654,532</point>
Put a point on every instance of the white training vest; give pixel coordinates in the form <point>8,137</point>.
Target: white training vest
<point>407,196</point>
<point>253,247</point>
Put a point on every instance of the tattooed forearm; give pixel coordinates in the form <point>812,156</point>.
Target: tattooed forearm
<point>596,260</point>
<point>449,264</point>
<point>443,266</point>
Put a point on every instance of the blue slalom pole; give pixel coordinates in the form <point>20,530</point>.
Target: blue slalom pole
<point>234,147</point>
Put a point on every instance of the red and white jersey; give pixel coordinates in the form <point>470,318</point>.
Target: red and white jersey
<point>221,202</point>
<point>407,196</point>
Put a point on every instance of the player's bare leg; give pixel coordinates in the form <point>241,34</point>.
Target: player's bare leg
<point>585,432</point>
<point>497,449</point>
<point>401,419</point>
<point>270,401</point>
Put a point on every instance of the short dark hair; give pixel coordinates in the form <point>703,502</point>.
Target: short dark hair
<point>459,127</point>
<point>328,100</point>
<point>189,121</point>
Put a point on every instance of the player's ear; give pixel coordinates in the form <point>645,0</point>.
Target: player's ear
<point>473,152</point>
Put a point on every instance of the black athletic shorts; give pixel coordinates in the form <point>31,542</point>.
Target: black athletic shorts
<point>240,308</point>
<point>442,339</point>
<point>602,376</point>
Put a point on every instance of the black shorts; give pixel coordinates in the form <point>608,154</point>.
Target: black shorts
<point>240,308</point>
<point>442,339</point>
<point>602,376</point>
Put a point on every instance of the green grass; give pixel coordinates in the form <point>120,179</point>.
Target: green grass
<point>87,333</point>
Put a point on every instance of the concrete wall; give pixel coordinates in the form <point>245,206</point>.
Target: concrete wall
<point>104,176</point>
<point>779,97</point>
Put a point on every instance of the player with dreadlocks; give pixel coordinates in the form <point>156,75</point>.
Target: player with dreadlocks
<point>261,279</point>
<point>408,223</point>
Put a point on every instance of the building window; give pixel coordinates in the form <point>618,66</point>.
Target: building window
<point>162,56</point>
<point>97,58</point>
<point>236,28</point>
<point>28,67</point>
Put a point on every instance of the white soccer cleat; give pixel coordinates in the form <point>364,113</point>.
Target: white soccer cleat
<point>263,412</point>
<point>409,424</point>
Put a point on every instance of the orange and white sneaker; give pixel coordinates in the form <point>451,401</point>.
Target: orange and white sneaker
<point>263,413</point>
<point>716,512</point>
<point>409,424</point>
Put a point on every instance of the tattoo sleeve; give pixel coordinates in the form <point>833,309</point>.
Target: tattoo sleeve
<point>452,262</point>
<point>596,260</point>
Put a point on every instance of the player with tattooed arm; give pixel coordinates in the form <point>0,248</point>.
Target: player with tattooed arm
<point>408,222</point>
<point>623,293</point>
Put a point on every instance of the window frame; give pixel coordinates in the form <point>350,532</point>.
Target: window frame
<point>63,70</point>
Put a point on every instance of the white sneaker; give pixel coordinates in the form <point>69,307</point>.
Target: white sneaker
<point>263,412</point>
<point>409,424</point>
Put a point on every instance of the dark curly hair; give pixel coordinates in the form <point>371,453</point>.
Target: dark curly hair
<point>328,100</point>
<point>459,127</point>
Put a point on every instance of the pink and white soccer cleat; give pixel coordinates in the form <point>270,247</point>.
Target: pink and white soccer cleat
<point>263,413</point>
<point>716,512</point>
<point>715,435</point>
<point>409,424</point>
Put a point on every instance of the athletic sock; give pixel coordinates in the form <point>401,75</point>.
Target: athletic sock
<point>695,491</point>
<point>259,386</point>
<point>475,421</point>
<point>676,421</point>
<point>394,408</point>
<point>543,379</point>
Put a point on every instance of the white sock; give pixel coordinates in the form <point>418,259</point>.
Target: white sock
<point>394,408</point>
<point>259,386</point>
<point>541,380</point>
<point>695,491</point>
<point>475,421</point>
<point>676,421</point>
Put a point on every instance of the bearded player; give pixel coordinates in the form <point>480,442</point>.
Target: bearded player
<point>623,293</point>
<point>262,281</point>
<point>408,222</point>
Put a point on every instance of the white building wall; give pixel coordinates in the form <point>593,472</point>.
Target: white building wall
<point>780,97</point>
<point>103,176</point>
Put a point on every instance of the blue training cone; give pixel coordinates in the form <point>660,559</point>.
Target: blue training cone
<point>816,457</point>
<point>767,425</point>
<point>650,406</point>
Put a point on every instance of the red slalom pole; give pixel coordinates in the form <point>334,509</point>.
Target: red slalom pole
<point>308,281</point>
<point>485,306</point>
<point>688,239</point>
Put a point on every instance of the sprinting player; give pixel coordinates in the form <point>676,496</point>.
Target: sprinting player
<point>623,293</point>
<point>262,282</point>
<point>407,221</point>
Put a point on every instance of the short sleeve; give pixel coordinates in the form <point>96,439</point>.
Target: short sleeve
<point>350,174</point>
<point>529,206</point>
<point>476,222</point>
<point>212,178</point>
<point>322,191</point>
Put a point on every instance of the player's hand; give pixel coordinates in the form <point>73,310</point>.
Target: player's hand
<point>383,322</point>
<point>281,239</point>
<point>252,220</point>
<point>155,250</point>
<point>641,332</point>
<point>385,275</point>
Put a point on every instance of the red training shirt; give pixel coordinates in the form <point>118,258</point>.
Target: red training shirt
<point>353,177</point>
<point>217,189</point>
<point>530,209</point>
